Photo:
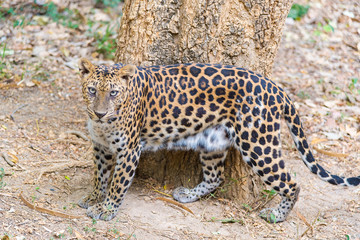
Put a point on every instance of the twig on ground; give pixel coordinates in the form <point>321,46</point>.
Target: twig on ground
<point>11,115</point>
<point>34,148</point>
<point>332,154</point>
<point>165,194</point>
<point>76,121</point>
<point>48,211</point>
<point>74,142</point>
<point>130,235</point>
<point>6,195</point>
<point>78,134</point>
<point>78,235</point>
<point>350,44</point>
<point>264,203</point>
<point>303,218</point>
<point>202,216</point>
<point>311,226</point>
<point>175,203</point>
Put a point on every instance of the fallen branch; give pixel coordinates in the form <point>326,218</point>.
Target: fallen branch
<point>175,203</point>
<point>47,211</point>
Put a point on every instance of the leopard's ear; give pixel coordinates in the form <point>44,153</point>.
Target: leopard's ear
<point>85,67</point>
<point>127,72</point>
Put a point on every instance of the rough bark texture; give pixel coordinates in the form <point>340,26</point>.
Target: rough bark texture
<point>245,33</point>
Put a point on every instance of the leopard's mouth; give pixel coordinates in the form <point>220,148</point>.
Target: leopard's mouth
<point>96,119</point>
<point>107,119</point>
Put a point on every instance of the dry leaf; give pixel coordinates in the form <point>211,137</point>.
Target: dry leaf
<point>331,104</point>
<point>65,51</point>
<point>333,135</point>
<point>310,103</point>
<point>6,237</point>
<point>41,20</point>
<point>351,131</point>
<point>14,158</point>
<point>331,123</point>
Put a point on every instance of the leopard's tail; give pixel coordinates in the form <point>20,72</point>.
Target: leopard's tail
<point>293,121</point>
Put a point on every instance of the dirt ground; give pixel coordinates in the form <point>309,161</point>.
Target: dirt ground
<point>42,114</point>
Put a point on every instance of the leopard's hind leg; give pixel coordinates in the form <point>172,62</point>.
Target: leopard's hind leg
<point>263,155</point>
<point>213,169</point>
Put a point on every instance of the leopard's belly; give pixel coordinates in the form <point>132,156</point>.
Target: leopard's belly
<point>216,138</point>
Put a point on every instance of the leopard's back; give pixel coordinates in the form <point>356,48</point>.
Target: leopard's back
<point>197,105</point>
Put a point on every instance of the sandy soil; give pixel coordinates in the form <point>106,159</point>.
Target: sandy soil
<point>53,166</point>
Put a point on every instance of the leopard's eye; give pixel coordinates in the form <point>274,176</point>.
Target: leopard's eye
<point>92,90</point>
<point>113,93</point>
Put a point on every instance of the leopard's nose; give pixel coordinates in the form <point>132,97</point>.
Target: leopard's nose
<point>100,115</point>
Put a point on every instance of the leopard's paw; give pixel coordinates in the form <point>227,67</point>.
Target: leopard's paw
<point>102,212</point>
<point>89,200</point>
<point>272,215</point>
<point>184,195</point>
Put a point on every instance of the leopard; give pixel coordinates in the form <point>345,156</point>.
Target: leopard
<point>208,108</point>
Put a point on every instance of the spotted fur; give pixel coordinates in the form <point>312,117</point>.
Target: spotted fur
<point>204,107</point>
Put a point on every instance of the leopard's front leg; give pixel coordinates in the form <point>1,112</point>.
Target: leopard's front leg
<point>126,163</point>
<point>104,161</point>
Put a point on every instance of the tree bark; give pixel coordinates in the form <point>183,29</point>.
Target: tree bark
<point>244,33</point>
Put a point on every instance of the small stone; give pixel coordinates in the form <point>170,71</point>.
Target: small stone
<point>59,233</point>
<point>51,134</point>
<point>40,51</point>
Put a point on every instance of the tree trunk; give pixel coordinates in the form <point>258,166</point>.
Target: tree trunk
<point>244,33</point>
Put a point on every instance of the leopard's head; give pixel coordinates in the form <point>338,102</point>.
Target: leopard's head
<point>104,88</point>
